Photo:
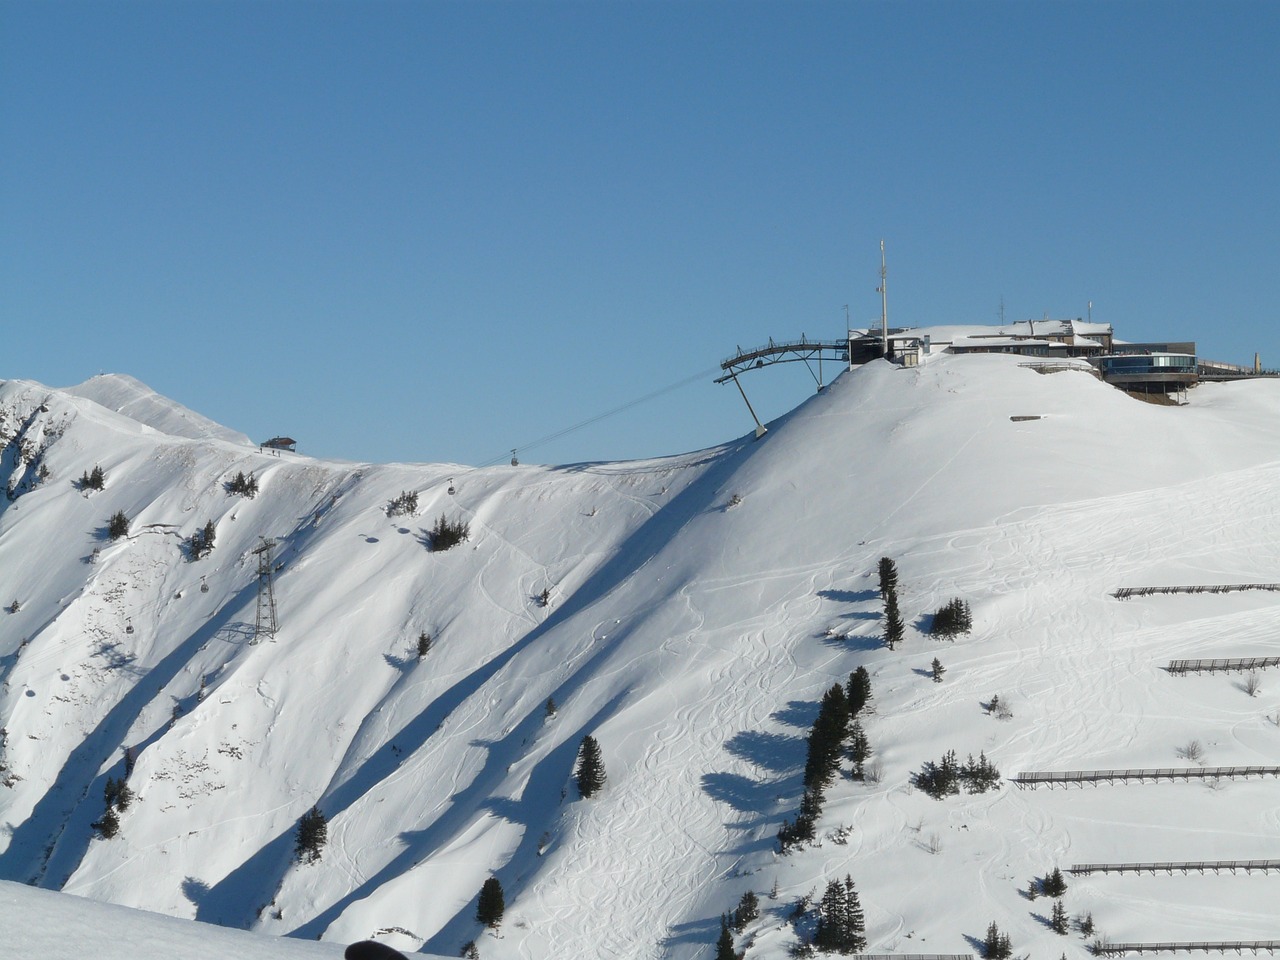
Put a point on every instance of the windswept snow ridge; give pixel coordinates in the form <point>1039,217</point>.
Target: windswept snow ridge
<point>698,607</point>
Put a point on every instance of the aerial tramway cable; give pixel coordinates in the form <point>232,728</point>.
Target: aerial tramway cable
<point>604,416</point>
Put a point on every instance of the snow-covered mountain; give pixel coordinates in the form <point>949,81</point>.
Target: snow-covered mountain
<point>699,606</point>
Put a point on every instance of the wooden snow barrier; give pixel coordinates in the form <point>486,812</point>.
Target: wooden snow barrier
<point>1203,946</point>
<point>1025,780</point>
<point>1227,665</point>
<point>1184,866</point>
<point>1124,593</point>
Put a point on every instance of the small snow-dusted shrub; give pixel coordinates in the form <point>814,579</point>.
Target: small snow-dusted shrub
<point>446,533</point>
<point>979,775</point>
<point>941,779</point>
<point>108,825</point>
<point>470,951</point>
<point>92,480</point>
<point>952,620</point>
<point>118,525</point>
<point>1252,683</point>
<point>242,485</point>
<point>404,505</point>
<point>1191,750</point>
<point>201,542</point>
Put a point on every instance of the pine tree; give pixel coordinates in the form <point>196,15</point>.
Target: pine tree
<point>996,946</point>
<point>940,779</point>
<point>118,525</point>
<point>826,739</point>
<point>858,691</point>
<point>724,946</point>
<point>1058,918</point>
<point>888,577</point>
<point>491,906</point>
<point>893,626</point>
<point>1055,884</point>
<point>108,825</point>
<point>938,670</point>
<point>313,833</point>
<point>802,829</point>
<point>840,919</point>
<point>424,644</point>
<point>859,748</point>
<point>748,910</point>
<point>590,774</point>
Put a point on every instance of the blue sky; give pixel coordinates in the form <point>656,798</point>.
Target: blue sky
<point>437,231</point>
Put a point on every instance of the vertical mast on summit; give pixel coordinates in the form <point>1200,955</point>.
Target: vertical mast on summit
<point>884,306</point>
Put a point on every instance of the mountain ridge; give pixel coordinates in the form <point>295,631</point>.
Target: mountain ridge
<point>699,606</point>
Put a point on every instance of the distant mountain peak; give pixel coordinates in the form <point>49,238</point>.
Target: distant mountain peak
<point>134,399</point>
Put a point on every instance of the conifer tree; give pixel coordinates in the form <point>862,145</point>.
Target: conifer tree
<point>1055,884</point>
<point>859,748</point>
<point>108,825</point>
<point>802,829</point>
<point>748,910</point>
<point>893,626</point>
<point>118,525</point>
<point>996,946</point>
<point>491,906</point>
<point>1058,918</point>
<point>888,577</point>
<point>424,644</point>
<point>826,739</point>
<point>937,669</point>
<point>858,691</point>
<point>313,833</point>
<point>590,774</point>
<point>724,946</point>
<point>840,919</point>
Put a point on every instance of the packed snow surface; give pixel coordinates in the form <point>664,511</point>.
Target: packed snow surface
<point>698,607</point>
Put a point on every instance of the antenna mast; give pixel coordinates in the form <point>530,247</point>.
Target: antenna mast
<point>265,623</point>
<point>884,305</point>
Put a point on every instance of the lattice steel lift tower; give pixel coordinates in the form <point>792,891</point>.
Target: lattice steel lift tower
<point>265,622</point>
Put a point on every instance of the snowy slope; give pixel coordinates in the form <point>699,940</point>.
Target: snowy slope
<point>40,925</point>
<point>124,394</point>
<point>691,635</point>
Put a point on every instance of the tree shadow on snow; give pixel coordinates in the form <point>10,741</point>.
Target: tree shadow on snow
<point>851,642</point>
<point>397,663</point>
<point>774,752</point>
<point>924,623</point>
<point>849,596</point>
<point>742,793</point>
<point>194,890</point>
<point>693,931</point>
<point>798,713</point>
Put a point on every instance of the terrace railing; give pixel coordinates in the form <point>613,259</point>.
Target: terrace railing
<point>1178,866</point>
<point>1124,593</point>
<point>1037,779</point>
<point>1227,665</point>
<point>1202,946</point>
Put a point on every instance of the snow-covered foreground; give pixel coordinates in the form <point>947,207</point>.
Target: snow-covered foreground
<point>699,606</point>
<point>40,925</point>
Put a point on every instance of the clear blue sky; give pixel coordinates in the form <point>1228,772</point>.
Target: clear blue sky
<point>435,231</point>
